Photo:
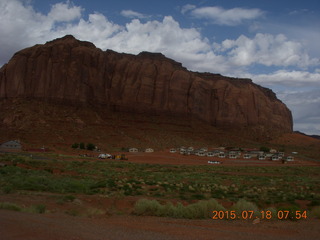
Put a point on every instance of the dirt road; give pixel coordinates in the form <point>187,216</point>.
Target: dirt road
<point>28,226</point>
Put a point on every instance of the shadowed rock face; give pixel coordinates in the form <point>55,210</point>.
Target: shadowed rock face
<point>72,71</point>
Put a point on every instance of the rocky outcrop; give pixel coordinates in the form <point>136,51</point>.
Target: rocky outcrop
<point>71,71</point>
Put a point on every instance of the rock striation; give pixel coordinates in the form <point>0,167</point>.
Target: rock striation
<point>71,71</point>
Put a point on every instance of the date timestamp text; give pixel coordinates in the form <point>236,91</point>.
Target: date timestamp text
<point>268,215</point>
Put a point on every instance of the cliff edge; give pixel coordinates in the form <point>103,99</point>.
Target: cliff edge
<point>71,71</point>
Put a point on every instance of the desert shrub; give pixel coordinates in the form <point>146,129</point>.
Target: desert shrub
<point>273,211</point>
<point>73,212</point>
<point>90,146</point>
<point>68,198</point>
<point>7,189</point>
<point>292,211</point>
<point>244,205</point>
<point>10,206</point>
<point>314,202</point>
<point>91,212</point>
<point>82,145</point>
<point>199,210</point>
<point>147,207</point>
<point>75,145</point>
<point>198,196</point>
<point>111,183</point>
<point>40,208</point>
<point>264,149</point>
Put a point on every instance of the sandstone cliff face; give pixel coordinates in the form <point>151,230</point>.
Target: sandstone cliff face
<point>72,71</point>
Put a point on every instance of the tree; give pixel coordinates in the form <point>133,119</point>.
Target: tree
<point>82,146</point>
<point>264,149</point>
<point>91,146</point>
<point>75,145</point>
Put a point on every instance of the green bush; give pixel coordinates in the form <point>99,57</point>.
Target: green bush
<point>273,212</point>
<point>264,149</point>
<point>82,145</point>
<point>199,210</point>
<point>90,146</point>
<point>7,189</point>
<point>314,202</point>
<point>10,206</point>
<point>244,205</point>
<point>147,207</point>
<point>75,145</point>
<point>68,198</point>
<point>40,208</point>
<point>292,211</point>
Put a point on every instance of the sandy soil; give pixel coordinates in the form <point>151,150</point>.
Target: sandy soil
<point>27,226</point>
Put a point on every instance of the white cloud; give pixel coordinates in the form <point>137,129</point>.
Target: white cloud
<point>64,12</point>
<point>187,8</point>
<point>22,26</point>
<point>305,107</point>
<point>266,49</point>
<point>288,78</point>
<point>97,29</point>
<point>221,16</point>
<point>166,36</point>
<point>133,14</point>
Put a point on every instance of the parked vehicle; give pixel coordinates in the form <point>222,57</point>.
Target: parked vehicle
<point>173,150</point>
<point>121,157</point>
<point>214,162</point>
<point>104,156</point>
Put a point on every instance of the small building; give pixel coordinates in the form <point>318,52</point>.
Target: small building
<point>173,150</point>
<point>183,151</point>
<point>13,145</point>
<point>133,150</point>
<point>149,150</point>
<point>216,152</point>
<point>204,149</point>
<point>269,155</point>
<point>210,154</point>
<point>290,158</point>
<point>272,150</point>
<point>196,152</point>
<point>232,154</point>
<point>201,154</point>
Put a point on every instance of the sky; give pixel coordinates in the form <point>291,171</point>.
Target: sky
<point>274,43</point>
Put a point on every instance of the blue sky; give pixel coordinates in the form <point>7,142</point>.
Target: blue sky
<point>275,43</point>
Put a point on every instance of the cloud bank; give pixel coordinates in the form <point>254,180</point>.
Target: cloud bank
<point>133,14</point>
<point>21,26</point>
<point>221,16</point>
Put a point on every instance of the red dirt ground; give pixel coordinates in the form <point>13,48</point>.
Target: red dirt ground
<point>27,226</point>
